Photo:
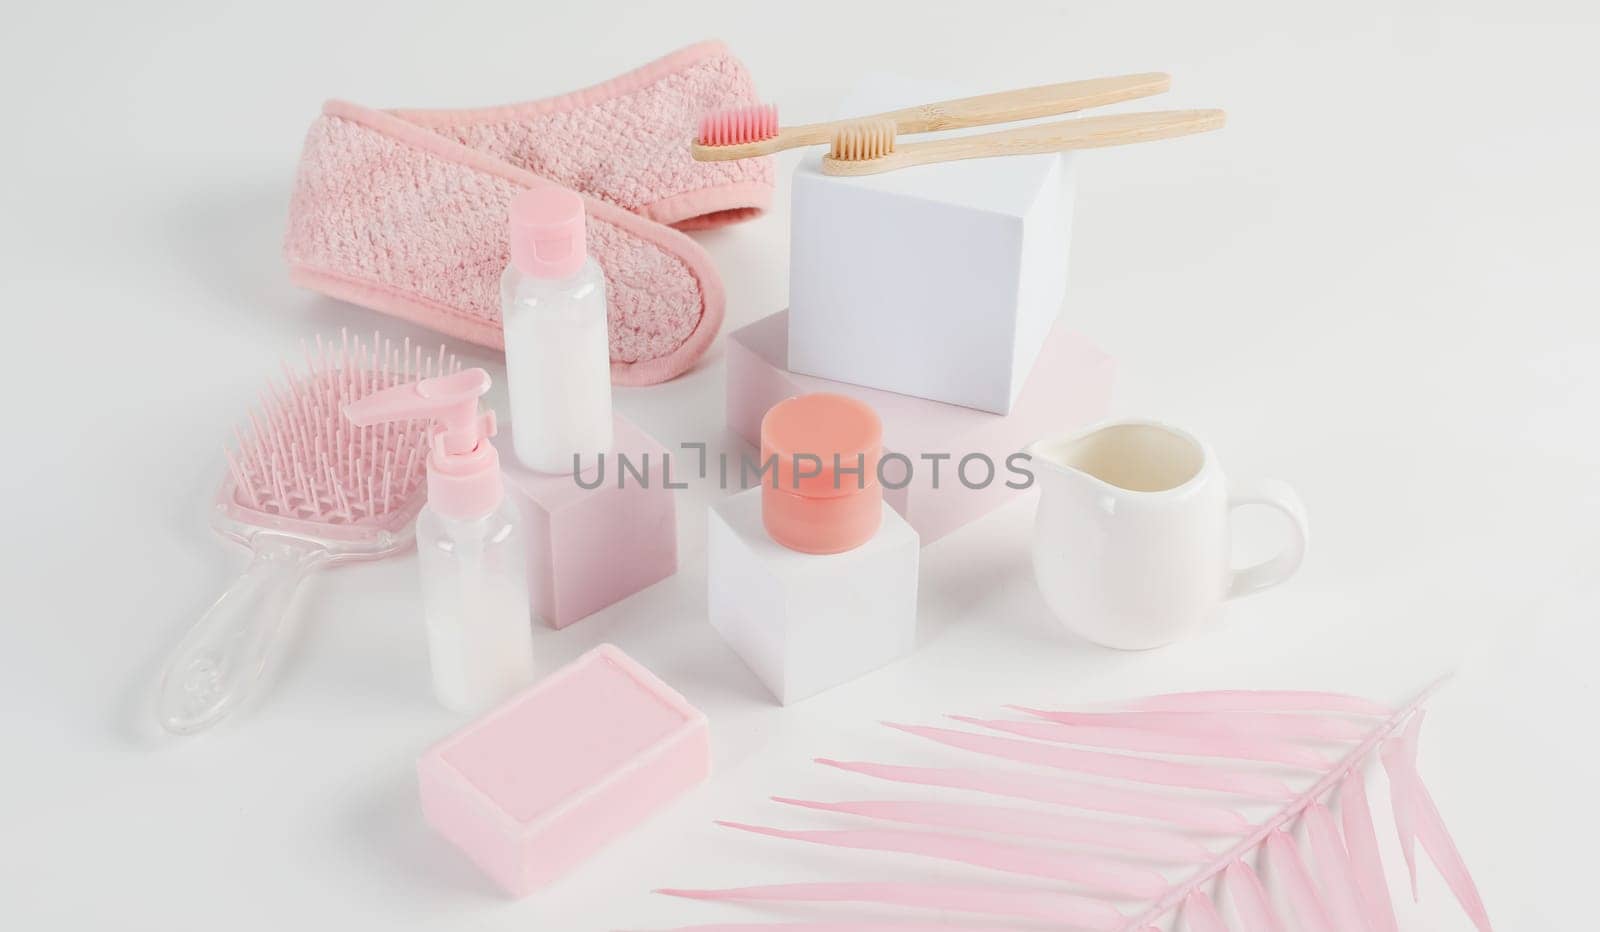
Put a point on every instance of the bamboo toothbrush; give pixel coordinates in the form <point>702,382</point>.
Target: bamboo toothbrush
<point>747,132</point>
<point>868,147</point>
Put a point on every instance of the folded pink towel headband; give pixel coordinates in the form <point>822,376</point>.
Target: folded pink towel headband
<point>404,211</point>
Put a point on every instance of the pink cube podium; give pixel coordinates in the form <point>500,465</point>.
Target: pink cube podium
<point>588,548</point>
<point>1069,386</point>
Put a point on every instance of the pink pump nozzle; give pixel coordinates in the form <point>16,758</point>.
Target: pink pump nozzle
<point>463,467</point>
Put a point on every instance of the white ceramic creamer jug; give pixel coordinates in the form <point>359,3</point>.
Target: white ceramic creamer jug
<point>1131,543</point>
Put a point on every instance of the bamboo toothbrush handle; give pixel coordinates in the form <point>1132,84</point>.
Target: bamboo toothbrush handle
<point>1088,133</point>
<point>1026,104</point>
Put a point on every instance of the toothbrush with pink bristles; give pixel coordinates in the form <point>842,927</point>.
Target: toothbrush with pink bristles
<point>304,489</point>
<point>747,132</point>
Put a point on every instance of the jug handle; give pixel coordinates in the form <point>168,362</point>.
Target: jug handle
<point>1269,573</point>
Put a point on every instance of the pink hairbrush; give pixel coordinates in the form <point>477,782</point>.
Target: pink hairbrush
<point>304,490</point>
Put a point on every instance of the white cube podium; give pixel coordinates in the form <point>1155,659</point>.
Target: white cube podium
<point>940,281</point>
<point>807,622</point>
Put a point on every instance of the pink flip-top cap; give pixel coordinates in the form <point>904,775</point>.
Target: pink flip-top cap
<point>547,232</point>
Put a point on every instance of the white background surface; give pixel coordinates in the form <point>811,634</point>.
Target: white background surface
<point>1377,283</point>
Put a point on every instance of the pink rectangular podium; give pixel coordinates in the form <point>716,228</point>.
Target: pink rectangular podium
<point>590,547</point>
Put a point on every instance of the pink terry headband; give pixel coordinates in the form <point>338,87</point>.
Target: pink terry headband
<point>404,211</point>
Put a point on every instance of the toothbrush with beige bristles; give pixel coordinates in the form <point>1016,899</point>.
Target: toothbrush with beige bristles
<point>747,132</point>
<point>868,147</point>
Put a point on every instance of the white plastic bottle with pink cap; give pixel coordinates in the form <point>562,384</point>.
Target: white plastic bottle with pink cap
<point>471,546</point>
<point>558,356</point>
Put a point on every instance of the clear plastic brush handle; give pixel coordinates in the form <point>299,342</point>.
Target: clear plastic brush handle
<point>222,657</point>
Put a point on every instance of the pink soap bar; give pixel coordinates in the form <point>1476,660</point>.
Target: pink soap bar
<point>589,548</point>
<point>1069,386</point>
<point>541,783</point>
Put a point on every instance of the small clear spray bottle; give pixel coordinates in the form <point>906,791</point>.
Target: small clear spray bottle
<point>471,546</point>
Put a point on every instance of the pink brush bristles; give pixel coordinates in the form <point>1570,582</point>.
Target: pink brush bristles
<point>301,460</point>
<point>739,126</point>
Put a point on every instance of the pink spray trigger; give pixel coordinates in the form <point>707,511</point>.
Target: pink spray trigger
<point>463,467</point>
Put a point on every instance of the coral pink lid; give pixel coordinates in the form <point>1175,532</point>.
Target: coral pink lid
<point>547,232</point>
<point>824,495</point>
